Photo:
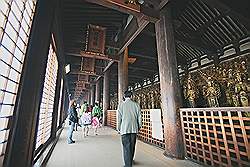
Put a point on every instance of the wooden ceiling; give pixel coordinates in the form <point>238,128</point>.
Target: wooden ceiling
<point>202,27</point>
<point>77,15</point>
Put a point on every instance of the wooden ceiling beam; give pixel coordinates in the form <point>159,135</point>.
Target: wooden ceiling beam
<point>142,69</point>
<point>147,13</point>
<point>134,28</point>
<point>131,54</point>
<point>83,73</point>
<point>99,56</point>
<point>96,56</point>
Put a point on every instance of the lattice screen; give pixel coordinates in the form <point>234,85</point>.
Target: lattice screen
<point>145,133</point>
<point>47,103</point>
<point>111,118</point>
<point>217,136</point>
<point>15,23</point>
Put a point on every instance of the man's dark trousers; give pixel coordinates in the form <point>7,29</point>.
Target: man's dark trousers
<point>128,143</point>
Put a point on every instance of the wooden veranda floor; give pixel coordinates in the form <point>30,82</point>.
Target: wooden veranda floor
<point>105,150</point>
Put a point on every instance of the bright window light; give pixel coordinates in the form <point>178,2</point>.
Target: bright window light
<point>67,69</point>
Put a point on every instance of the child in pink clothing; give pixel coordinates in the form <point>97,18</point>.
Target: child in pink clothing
<point>95,123</point>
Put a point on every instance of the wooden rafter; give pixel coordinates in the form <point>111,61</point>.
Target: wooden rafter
<point>225,10</point>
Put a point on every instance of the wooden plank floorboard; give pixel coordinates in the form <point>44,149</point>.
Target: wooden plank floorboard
<point>105,150</point>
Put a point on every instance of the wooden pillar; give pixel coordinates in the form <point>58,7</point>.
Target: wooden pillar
<point>122,74</point>
<point>89,97</point>
<point>92,93</point>
<point>97,91</point>
<point>169,83</point>
<point>125,70</point>
<point>22,137</point>
<point>105,95</point>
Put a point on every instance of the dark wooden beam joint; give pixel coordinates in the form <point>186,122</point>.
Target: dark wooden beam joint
<point>131,32</point>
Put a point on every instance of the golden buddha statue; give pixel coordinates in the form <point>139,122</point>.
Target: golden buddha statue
<point>157,96</point>
<point>235,100</point>
<point>244,99</point>
<point>211,92</point>
<point>139,99</point>
<point>229,90</point>
<point>151,94</point>
<point>190,91</point>
<point>144,101</point>
<point>241,90</point>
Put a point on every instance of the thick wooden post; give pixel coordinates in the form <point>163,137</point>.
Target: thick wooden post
<point>92,92</point>
<point>122,74</point>
<point>120,79</point>
<point>98,91</point>
<point>125,70</point>
<point>89,97</point>
<point>22,139</point>
<point>105,95</point>
<point>169,83</point>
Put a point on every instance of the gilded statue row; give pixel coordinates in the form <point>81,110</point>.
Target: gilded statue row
<point>148,97</point>
<point>224,85</point>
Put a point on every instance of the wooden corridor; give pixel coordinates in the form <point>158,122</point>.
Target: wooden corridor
<point>105,150</point>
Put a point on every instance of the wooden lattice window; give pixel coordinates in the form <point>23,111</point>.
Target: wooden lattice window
<point>48,96</point>
<point>15,23</point>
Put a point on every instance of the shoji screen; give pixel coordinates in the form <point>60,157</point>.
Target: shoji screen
<point>15,24</point>
<point>47,103</point>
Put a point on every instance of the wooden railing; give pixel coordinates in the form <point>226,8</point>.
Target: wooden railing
<point>217,136</point>
<point>212,136</point>
<point>111,118</point>
<point>145,133</point>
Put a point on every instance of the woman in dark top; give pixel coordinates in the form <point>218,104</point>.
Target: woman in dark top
<point>73,120</point>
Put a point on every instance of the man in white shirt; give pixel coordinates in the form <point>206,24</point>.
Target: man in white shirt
<point>129,124</point>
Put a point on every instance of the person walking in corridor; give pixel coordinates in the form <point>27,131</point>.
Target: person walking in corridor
<point>72,119</point>
<point>83,108</point>
<point>129,123</point>
<point>97,111</point>
<point>86,122</point>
